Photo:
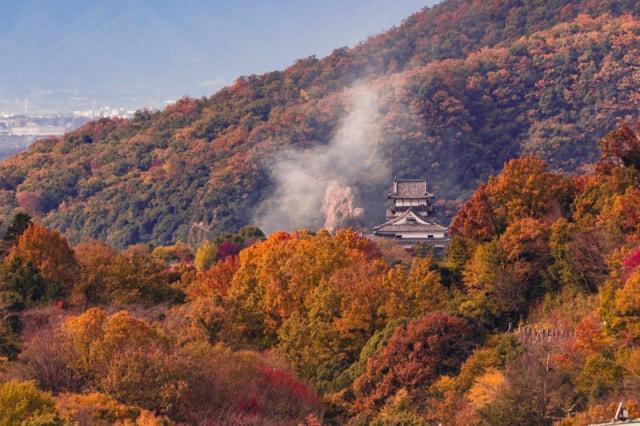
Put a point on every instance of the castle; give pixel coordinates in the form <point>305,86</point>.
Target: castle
<point>408,220</point>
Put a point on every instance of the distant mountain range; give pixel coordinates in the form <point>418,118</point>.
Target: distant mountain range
<point>450,95</point>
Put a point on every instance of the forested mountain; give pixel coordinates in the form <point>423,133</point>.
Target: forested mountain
<point>459,89</point>
<point>519,113</point>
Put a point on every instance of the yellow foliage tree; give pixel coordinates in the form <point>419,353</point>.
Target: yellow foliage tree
<point>413,292</point>
<point>206,256</point>
<point>485,388</point>
<point>22,403</point>
<point>626,313</point>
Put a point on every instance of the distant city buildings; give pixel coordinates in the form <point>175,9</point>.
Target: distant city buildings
<point>18,131</point>
<point>39,125</point>
<point>104,112</point>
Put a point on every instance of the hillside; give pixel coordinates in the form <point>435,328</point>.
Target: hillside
<point>456,90</point>
<point>531,317</point>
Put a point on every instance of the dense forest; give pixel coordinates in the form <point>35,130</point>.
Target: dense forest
<point>531,317</point>
<point>464,86</point>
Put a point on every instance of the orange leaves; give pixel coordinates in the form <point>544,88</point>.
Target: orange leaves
<point>120,354</point>
<point>122,329</point>
<point>600,412</point>
<point>504,276</point>
<point>620,147</point>
<point>95,259</point>
<point>95,407</point>
<point>624,217</point>
<point>216,281</point>
<point>134,362</point>
<point>361,289</point>
<point>526,239</point>
<point>525,188</point>
<point>626,309</point>
<point>357,245</point>
<point>486,387</point>
<point>411,292</point>
<point>50,253</point>
<point>278,276</point>
<point>591,336</point>
<point>316,298</point>
<point>92,340</point>
<point>476,219</point>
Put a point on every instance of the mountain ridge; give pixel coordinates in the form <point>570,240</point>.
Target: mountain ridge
<point>461,106</point>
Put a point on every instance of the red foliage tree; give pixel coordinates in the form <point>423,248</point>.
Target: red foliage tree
<point>631,262</point>
<point>414,357</point>
<point>476,219</point>
<point>228,248</point>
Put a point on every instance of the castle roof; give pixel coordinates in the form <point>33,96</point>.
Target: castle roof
<point>410,188</point>
<point>409,221</point>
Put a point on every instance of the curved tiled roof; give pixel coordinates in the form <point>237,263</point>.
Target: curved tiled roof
<point>421,224</point>
<point>432,227</point>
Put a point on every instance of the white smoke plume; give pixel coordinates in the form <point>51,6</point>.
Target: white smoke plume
<point>306,179</point>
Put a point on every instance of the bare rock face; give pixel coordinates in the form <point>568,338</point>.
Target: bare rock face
<point>338,206</point>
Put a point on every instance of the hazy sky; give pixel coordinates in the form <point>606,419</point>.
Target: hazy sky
<point>73,54</point>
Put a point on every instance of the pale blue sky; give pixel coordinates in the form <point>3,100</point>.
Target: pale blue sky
<point>70,54</point>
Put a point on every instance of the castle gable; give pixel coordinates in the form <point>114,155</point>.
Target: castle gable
<point>410,221</point>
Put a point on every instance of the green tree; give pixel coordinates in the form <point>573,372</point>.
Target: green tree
<point>21,285</point>
<point>20,223</point>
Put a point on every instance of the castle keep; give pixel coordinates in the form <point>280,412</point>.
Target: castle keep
<point>408,220</point>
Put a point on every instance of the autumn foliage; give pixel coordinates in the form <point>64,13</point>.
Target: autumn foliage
<point>305,328</point>
<point>414,357</point>
<point>530,316</point>
<point>50,253</point>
